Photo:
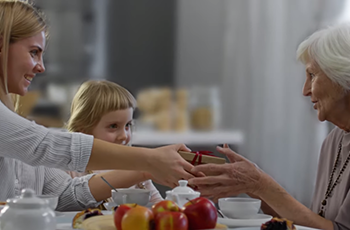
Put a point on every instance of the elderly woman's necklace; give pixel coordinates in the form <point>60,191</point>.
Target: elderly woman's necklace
<point>331,186</point>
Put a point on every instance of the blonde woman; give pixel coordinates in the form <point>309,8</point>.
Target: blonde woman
<point>29,151</point>
<point>105,110</point>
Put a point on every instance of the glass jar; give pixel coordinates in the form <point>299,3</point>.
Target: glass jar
<point>204,108</point>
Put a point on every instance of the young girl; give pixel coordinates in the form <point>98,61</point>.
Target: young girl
<point>105,110</point>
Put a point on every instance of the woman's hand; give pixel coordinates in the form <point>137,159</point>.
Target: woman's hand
<point>165,163</point>
<point>168,167</point>
<point>239,176</point>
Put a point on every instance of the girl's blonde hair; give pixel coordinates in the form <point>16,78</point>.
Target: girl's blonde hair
<point>93,100</point>
<point>18,20</point>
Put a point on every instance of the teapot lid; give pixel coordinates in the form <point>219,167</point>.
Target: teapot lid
<point>27,199</point>
<point>183,188</point>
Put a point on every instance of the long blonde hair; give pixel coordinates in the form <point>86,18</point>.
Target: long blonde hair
<point>18,20</point>
<point>93,100</point>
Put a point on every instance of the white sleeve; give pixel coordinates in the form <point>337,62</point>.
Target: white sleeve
<point>155,195</point>
<point>36,145</point>
<point>74,194</point>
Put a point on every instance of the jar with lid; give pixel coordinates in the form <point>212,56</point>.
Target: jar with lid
<point>27,212</point>
<point>182,194</point>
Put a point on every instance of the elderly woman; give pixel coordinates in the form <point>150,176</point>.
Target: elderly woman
<point>326,55</point>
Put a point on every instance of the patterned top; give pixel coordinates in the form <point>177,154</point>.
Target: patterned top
<point>27,147</point>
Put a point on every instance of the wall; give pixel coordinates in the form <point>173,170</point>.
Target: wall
<point>199,46</point>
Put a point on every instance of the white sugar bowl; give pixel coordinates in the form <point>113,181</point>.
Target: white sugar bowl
<point>182,194</point>
<point>27,212</point>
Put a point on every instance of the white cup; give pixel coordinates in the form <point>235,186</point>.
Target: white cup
<point>239,207</point>
<point>129,195</point>
<point>53,200</point>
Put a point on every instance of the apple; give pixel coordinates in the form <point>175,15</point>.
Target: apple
<point>165,205</point>
<point>171,221</point>
<point>201,213</point>
<point>119,212</point>
<point>140,218</point>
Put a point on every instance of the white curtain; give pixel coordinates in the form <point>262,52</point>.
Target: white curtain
<point>262,86</point>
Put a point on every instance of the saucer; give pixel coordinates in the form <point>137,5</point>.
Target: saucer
<point>110,205</point>
<point>255,221</point>
<point>298,227</point>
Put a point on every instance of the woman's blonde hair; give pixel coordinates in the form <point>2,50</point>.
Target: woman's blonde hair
<point>93,100</point>
<point>18,20</point>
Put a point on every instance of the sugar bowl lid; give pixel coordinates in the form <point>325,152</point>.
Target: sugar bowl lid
<point>27,199</point>
<point>183,188</point>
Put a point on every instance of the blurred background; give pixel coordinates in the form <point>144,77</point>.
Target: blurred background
<point>204,72</point>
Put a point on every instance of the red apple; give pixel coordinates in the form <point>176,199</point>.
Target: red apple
<point>165,205</point>
<point>201,213</point>
<point>119,212</point>
<point>171,221</point>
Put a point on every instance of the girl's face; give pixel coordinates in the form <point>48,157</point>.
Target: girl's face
<point>25,60</point>
<point>115,127</point>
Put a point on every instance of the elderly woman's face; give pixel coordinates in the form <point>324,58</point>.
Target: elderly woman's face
<point>328,97</point>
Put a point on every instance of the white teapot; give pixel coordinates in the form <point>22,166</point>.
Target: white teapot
<point>27,212</point>
<point>182,194</point>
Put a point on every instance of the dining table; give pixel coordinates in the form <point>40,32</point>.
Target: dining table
<point>64,222</point>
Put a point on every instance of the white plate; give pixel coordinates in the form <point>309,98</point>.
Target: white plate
<point>254,221</point>
<point>65,218</point>
<point>64,227</point>
<point>58,214</point>
<point>298,227</point>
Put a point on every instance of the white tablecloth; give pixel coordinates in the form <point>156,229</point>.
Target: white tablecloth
<point>64,222</point>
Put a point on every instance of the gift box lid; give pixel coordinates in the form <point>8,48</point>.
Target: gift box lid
<point>204,158</point>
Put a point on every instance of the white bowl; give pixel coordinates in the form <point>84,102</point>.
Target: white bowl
<point>129,195</point>
<point>53,200</point>
<point>239,207</point>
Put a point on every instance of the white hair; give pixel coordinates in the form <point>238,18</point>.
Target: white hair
<point>330,49</point>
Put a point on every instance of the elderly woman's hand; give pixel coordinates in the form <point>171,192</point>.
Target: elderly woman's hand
<point>239,176</point>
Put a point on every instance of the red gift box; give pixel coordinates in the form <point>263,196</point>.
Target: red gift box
<point>201,157</point>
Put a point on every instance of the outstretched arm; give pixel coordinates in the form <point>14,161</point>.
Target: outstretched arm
<point>242,176</point>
